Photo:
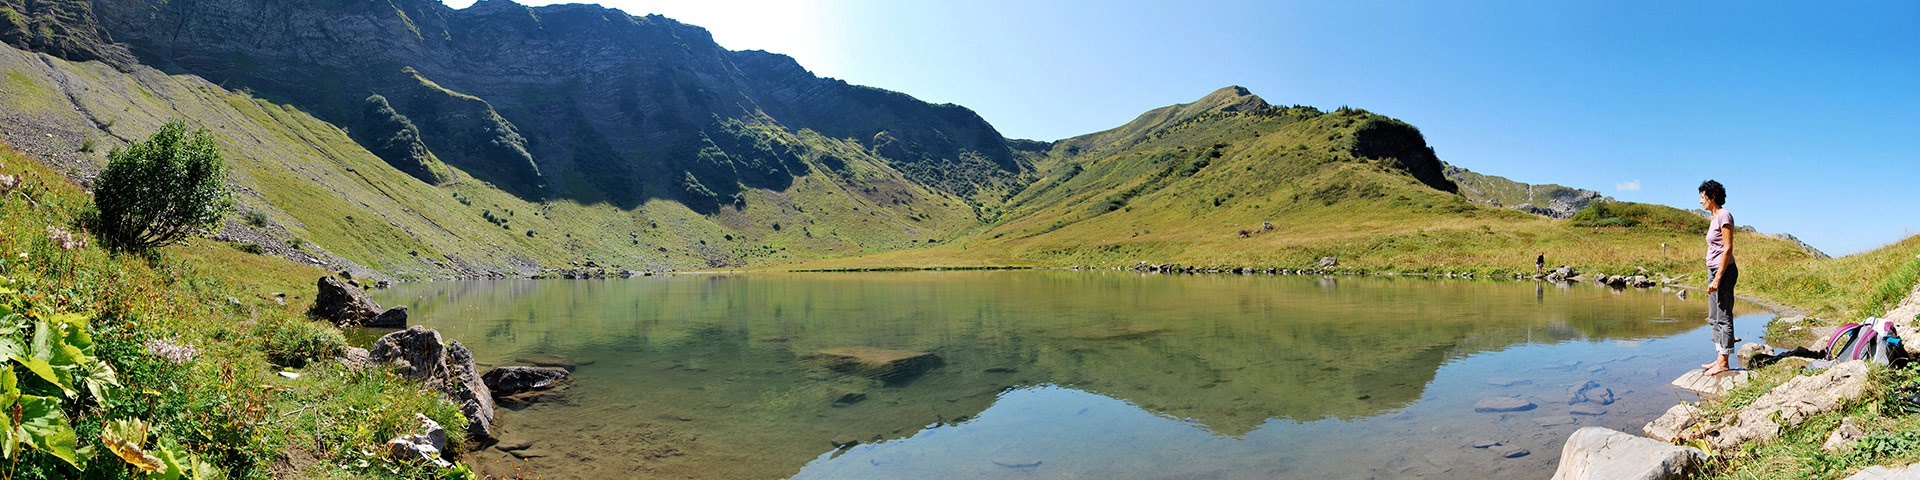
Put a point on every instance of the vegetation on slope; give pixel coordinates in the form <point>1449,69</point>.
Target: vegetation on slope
<point>188,332</point>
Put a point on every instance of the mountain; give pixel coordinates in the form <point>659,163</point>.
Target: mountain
<point>1548,199</point>
<point>574,102</point>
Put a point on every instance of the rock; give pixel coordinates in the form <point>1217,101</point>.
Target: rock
<point>344,305</point>
<point>1753,355</point>
<point>1587,409</point>
<point>1502,404</point>
<point>1910,472</point>
<point>1640,281</point>
<point>509,380</point>
<point>1329,262</point>
<point>1484,443</point>
<point>468,391</point>
<point>884,364</point>
<point>419,355</point>
<point>1793,402</point>
<point>528,453</point>
<point>428,446</point>
<point>1673,425</point>
<point>1601,453</point>
<point>1553,420</point>
<point>395,317</point>
<point>1510,451</point>
<point>1017,462</point>
<point>290,375</point>
<point>844,441</point>
<point>511,445</point>
<point>1507,381</point>
<point>1843,436</point>
<point>355,358</point>
<point>849,399</point>
<point>1696,381</point>
<point>1589,392</point>
<point>418,351</point>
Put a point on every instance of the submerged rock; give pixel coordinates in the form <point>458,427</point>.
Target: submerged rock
<point>884,364</point>
<point>553,361</point>
<point>1502,404</point>
<point>509,380</point>
<point>1602,454</point>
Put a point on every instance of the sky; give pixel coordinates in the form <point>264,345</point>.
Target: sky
<point>1809,112</point>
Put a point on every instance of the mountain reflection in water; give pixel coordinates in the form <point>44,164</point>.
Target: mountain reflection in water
<point>1081,373</point>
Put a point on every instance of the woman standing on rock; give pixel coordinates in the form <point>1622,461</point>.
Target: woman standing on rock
<point>1722,273</point>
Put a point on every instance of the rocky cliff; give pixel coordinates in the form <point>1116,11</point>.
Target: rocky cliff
<point>575,101</point>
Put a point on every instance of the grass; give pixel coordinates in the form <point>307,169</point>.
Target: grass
<point>227,405</point>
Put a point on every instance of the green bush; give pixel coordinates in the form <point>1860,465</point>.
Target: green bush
<point>294,343</point>
<point>161,191</point>
<point>255,218</point>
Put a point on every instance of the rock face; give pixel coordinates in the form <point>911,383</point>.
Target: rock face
<point>515,379</point>
<point>1793,402</point>
<point>1601,454</point>
<point>419,355</point>
<point>623,100</point>
<point>884,364</point>
<point>347,305</point>
<point>1540,199</point>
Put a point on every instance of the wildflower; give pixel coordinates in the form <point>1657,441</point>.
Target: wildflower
<point>64,239</point>
<point>8,183</point>
<point>166,349</point>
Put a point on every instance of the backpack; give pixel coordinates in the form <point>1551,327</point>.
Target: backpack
<point>1873,340</point>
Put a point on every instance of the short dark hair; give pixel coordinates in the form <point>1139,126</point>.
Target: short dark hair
<point>1715,192</point>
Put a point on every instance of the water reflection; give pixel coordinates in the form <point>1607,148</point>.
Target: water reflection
<point>710,376</point>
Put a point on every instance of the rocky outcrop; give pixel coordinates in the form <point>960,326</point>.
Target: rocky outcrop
<point>515,379</point>
<point>1697,381</point>
<point>1550,200</point>
<point>1792,402</point>
<point>347,305</point>
<point>429,446</point>
<point>884,364</point>
<point>1602,454</point>
<point>1675,424</point>
<point>418,354</point>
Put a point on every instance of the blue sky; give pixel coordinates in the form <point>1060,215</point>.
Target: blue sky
<point>1808,112</point>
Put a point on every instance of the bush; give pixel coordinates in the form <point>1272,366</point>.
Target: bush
<point>160,191</point>
<point>294,343</point>
<point>255,218</point>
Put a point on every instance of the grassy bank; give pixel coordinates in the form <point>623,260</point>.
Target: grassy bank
<point>217,396</point>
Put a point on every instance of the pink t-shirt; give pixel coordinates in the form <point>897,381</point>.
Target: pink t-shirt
<point>1717,242</point>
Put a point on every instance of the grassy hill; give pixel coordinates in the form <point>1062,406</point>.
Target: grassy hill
<point>1230,181</point>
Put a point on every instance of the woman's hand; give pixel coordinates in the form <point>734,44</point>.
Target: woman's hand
<point>1714,285</point>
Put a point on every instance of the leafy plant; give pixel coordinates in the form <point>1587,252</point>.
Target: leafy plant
<point>162,190</point>
<point>295,342</point>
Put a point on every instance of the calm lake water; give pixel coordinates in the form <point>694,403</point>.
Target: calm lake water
<point>1063,374</point>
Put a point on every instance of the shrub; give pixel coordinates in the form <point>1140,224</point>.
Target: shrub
<point>160,191</point>
<point>294,342</point>
<point>255,218</point>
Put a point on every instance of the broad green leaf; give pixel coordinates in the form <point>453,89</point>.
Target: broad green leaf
<point>42,336</point>
<point>45,371</point>
<point>11,348</point>
<point>46,428</point>
<point>178,463</point>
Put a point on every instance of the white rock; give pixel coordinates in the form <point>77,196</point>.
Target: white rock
<point>1911,472</point>
<point>1716,385</point>
<point>1600,453</point>
<point>1673,424</point>
<point>1843,436</point>
<point>1793,402</point>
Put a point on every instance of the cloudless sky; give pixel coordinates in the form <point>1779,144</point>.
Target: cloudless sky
<point>1809,112</point>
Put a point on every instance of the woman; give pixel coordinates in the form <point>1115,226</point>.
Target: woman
<point>1722,273</point>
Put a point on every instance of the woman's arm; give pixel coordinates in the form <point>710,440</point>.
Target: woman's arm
<point>1726,234</point>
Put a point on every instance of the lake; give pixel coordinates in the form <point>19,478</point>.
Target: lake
<point>1070,374</point>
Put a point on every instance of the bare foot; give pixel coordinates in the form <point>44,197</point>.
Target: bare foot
<point>1715,370</point>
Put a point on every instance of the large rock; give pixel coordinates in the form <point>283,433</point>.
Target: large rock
<point>1673,425</point>
<point>395,317</point>
<point>418,354</point>
<point>466,388</point>
<point>1602,454</point>
<point>1697,381</point>
<point>344,305</point>
<point>515,379</point>
<point>1791,403</point>
<point>884,364</point>
<point>429,446</point>
<point>1329,262</point>
<point>1910,472</point>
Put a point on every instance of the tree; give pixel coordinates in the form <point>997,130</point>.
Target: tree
<point>161,191</point>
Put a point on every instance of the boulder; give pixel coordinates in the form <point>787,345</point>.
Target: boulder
<point>1601,453</point>
<point>467,390</point>
<point>1843,436</point>
<point>344,305</point>
<point>395,317</point>
<point>1697,381</point>
<point>884,364</point>
<point>418,354</point>
<point>1673,426</point>
<point>515,379</point>
<point>1791,403</point>
<point>355,358</point>
<point>1589,391</point>
<point>1910,472</point>
<point>428,446</point>
<point>1640,281</point>
<point>1329,262</point>
<point>1502,404</point>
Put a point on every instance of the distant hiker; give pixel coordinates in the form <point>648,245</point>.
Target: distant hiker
<point>1722,273</point>
<point>1540,264</point>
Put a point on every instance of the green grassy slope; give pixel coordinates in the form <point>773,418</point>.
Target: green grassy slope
<point>313,183</point>
<point>1201,188</point>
